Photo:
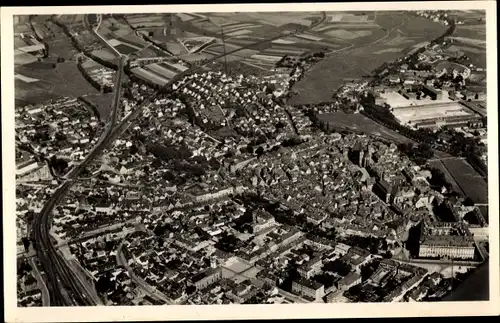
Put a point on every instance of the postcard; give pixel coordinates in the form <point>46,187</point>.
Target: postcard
<point>250,161</point>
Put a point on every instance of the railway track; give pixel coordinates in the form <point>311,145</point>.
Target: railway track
<point>63,288</point>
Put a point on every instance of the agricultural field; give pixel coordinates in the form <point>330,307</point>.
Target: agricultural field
<point>475,32</point>
<point>474,49</point>
<point>33,92</point>
<point>469,181</point>
<point>60,45</point>
<point>160,70</point>
<point>24,59</point>
<point>469,17</point>
<point>63,80</point>
<point>390,38</point>
<point>175,48</point>
<point>147,73</point>
<point>358,122</point>
<point>133,40</point>
<point>147,20</point>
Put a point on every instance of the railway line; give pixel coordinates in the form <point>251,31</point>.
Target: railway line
<point>59,274</point>
<point>63,288</point>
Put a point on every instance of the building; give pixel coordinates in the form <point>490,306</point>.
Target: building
<point>342,248</point>
<point>433,93</point>
<point>243,292</point>
<point>220,194</point>
<point>348,281</point>
<point>308,288</point>
<point>383,190</point>
<point>26,167</point>
<point>311,268</point>
<point>336,296</point>
<point>206,278</point>
<point>356,257</point>
<point>458,121</point>
<point>262,220</point>
<point>33,171</point>
<point>455,247</point>
<point>452,240</point>
<point>475,107</point>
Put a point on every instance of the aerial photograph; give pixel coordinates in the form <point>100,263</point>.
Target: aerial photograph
<point>206,158</point>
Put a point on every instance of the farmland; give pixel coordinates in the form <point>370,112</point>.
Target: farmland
<point>32,93</point>
<point>64,80</point>
<point>390,36</point>
<point>474,49</point>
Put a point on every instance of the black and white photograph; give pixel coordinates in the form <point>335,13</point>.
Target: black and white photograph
<point>306,156</point>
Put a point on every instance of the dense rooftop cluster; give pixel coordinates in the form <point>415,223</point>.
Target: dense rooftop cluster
<point>56,129</point>
<point>221,192</point>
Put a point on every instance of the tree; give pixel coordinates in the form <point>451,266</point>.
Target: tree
<point>337,266</point>
<point>134,149</point>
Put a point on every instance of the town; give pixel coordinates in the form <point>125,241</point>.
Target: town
<point>215,188</point>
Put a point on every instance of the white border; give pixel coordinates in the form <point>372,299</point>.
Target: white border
<point>194,312</point>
